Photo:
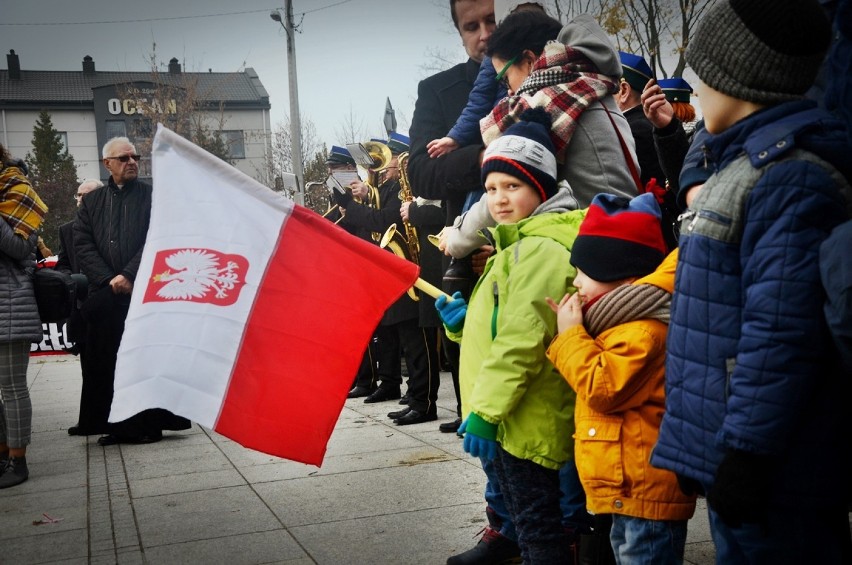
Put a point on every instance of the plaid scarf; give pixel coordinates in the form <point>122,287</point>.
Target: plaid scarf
<point>20,206</point>
<point>627,303</point>
<point>564,82</point>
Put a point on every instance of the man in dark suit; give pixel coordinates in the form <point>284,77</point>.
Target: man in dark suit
<point>449,178</point>
<point>440,100</point>
<point>74,327</point>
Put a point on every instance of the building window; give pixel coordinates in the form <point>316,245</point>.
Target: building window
<point>115,128</point>
<point>234,142</point>
<point>63,139</point>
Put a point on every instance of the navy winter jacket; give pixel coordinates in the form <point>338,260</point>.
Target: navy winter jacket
<point>750,363</point>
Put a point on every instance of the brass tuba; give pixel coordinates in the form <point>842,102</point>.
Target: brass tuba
<point>373,157</point>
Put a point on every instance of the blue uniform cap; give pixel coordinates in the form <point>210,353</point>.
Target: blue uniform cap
<point>676,89</point>
<point>399,143</point>
<point>339,156</point>
<point>635,70</point>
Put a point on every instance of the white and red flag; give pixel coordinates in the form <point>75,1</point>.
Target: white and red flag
<point>249,314</point>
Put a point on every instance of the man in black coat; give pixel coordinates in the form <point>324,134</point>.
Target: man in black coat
<point>440,100</point>
<point>109,234</point>
<point>635,76</point>
<point>75,327</point>
<point>342,167</point>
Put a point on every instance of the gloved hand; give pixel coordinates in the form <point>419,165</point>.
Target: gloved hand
<point>740,493</point>
<point>342,198</point>
<point>452,313</point>
<point>479,437</point>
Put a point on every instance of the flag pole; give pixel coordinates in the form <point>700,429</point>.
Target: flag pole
<point>431,289</point>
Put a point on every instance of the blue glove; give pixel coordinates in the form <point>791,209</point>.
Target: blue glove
<point>479,446</point>
<point>482,442</point>
<point>452,313</point>
<point>462,428</point>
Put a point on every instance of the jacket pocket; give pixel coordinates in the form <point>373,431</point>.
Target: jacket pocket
<point>598,451</point>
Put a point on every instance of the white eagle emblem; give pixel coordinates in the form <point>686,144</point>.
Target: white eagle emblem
<point>192,273</point>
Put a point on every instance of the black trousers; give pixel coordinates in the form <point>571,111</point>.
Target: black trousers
<point>419,347</point>
<point>367,375</point>
<point>105,313</point>
<point>451,348</point>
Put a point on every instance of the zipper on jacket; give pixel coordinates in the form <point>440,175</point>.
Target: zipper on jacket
<point>496,293</point>
<point>730,365</point>
<point>689,214</point>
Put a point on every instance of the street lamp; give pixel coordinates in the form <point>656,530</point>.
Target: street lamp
<point>295,122</point>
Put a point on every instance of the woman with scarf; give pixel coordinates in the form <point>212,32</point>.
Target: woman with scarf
<point>573,78</point>
<point>21,214</point>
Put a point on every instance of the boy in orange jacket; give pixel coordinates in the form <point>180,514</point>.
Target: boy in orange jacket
<point>611,349</point>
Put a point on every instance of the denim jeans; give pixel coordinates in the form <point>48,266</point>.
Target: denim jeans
<point>639,541</point>
<point>572,502</point>
<point>789,536</point>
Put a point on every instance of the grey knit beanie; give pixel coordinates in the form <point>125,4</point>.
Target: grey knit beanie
<point>761,51</point>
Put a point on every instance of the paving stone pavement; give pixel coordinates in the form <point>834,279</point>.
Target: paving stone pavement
<point>385,494</point>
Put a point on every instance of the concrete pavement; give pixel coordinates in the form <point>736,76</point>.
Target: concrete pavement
<point>385,494</point>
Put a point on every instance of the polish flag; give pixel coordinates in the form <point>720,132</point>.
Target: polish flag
<point>249,314</point>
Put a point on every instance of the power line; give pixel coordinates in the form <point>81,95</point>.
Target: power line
<point>136,21</point>
<point>267,10</point>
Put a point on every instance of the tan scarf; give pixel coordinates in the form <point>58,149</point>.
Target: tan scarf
<point>627,303</point>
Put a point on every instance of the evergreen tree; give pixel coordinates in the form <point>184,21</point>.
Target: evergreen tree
<point>317,197</point>
<point>54,175</point>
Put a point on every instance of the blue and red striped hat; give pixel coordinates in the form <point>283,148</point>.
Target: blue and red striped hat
<point>619,238</point>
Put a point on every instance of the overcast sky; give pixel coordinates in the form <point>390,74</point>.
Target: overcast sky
<point>351,54</point>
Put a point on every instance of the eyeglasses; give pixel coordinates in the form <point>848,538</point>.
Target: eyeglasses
<point>501,76</point>
<point>126,158</point>
<point>78,196</point>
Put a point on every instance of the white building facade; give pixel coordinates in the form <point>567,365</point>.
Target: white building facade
<point>88,107</point>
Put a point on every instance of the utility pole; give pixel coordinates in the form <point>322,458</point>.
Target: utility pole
<point>295,120</point>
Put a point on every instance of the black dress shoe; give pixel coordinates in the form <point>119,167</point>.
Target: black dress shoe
<point>383,394</point>
<point>109,439</point>
<point>404,399</point>
<point>112,439</point>
<point>415,417</point>
<point>450,427</point>
<point>77,431</point>
<point>398,414</point>
<point>360,392</point>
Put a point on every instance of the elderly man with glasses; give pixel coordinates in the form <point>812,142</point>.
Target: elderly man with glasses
<point>109,234</point>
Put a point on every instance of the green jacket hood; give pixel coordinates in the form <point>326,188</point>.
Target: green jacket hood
<point>554,222</point>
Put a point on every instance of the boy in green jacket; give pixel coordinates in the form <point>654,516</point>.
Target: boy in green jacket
<point>518,410</point>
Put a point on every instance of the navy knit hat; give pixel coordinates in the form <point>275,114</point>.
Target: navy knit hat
<point>761,51</point>
<point>525,151</point>
<point>619,238</point>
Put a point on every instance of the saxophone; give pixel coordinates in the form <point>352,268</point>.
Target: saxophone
<point>405,195</point>
<point>405,246</point>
